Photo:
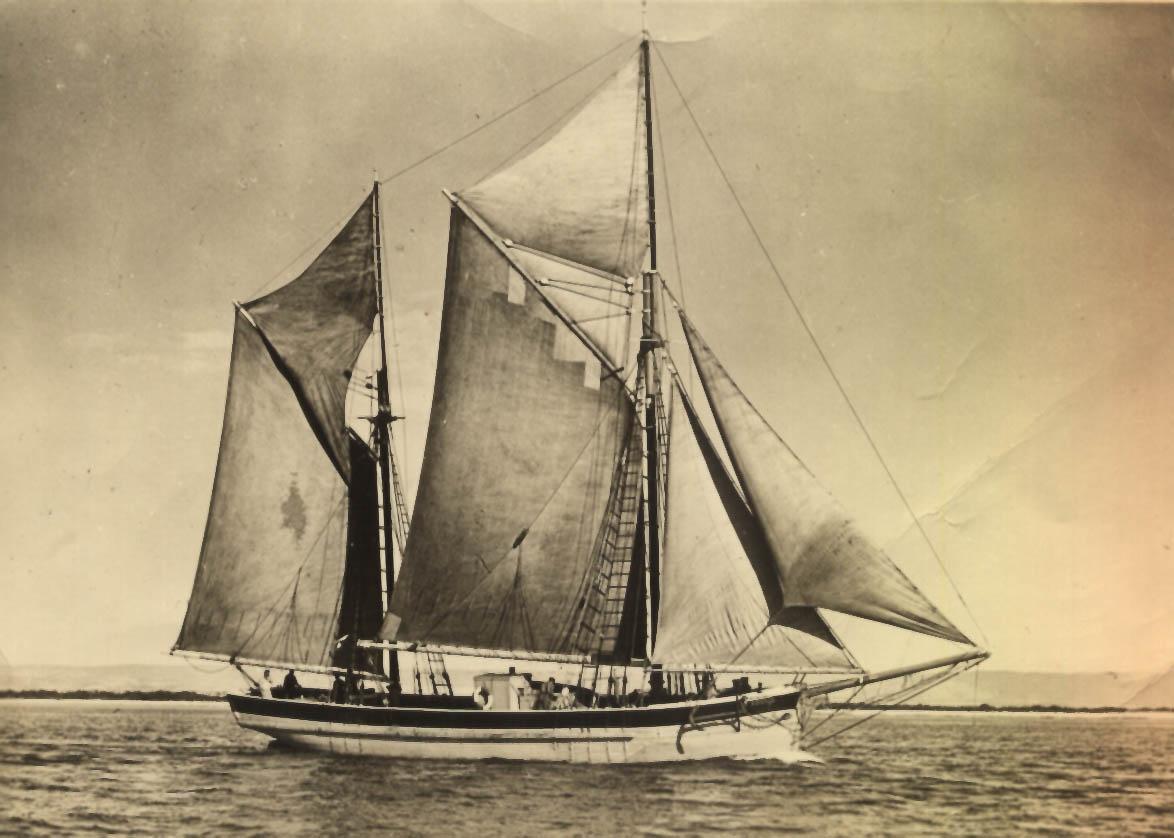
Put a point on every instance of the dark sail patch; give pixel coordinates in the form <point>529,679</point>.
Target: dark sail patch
<point>293,511</point>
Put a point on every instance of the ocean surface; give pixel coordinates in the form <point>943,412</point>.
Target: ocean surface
<point>170,768</point>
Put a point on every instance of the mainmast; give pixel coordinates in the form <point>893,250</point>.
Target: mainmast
<point>393,525</point>
<point>648,388</point>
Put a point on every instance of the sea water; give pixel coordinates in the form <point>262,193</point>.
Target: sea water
<point>171,768</point>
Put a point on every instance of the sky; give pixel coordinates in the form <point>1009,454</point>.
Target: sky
<point>970,204</point>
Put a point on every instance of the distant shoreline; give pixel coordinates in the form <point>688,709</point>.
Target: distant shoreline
<point>993,708</point>
<point>186,695</point>
<point>113,695</point>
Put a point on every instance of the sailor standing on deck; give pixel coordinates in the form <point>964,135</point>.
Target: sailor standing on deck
<point>265,686</point>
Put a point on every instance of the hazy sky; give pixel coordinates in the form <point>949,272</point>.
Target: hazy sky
<point>972,205</point>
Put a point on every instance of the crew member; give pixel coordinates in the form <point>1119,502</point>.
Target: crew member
<point>265,686</point>
<point>290,687</point>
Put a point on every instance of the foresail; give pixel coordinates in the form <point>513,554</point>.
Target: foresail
<point>521,456</point>
<point>317,324</point>
<point>273,560</point>
<point>820,557</point>
<point>271,566</point>
<point>720,600</point>
<point>580,195</point>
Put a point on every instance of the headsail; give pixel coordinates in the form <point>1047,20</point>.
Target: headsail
<point>720,598</point>
<point>271,569</point>
<point>579,196</point>
<point>522,452</point>
<point>820,557</point>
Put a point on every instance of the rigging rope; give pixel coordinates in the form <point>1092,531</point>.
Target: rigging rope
<point>814,342</point>
<point>917,689</point>
<point>334,228</point>
<point>668,199</point>
<point>519,151</point>
<point>504,113</point>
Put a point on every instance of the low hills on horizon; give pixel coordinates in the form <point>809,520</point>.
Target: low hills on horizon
<point>993,688</point>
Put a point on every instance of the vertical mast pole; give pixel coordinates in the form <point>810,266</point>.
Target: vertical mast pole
<point>650,388</point>
<point>383,420</point>
<point>646,66</point>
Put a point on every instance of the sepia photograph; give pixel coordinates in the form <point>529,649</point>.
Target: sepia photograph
<point>586,417</point>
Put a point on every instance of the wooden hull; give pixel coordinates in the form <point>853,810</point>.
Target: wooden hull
<point>761,726</point>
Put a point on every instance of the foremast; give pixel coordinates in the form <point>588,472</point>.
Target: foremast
<point>393,511</point>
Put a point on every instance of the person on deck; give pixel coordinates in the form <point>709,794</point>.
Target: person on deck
<point>710,689</point>
<point>566,699</point>
<point>547,698</point>
<point>265,686</point>
<point>656,689</point>
<point>338,691</point>
<point>290,687</point>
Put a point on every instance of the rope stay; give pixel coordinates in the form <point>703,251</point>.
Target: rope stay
<point>500,116</point>
<point>891,700</point>
<point>814,342</point>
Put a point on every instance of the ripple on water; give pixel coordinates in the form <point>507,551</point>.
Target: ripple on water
<point>194,772</point>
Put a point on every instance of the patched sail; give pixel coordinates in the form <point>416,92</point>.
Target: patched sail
<point>599,304</point>
<point>720,598</point>
<point>271,565</point>
<point>580,195</point>
<point>522,453</point>
<point>273,559</point>
<point>820,557</point>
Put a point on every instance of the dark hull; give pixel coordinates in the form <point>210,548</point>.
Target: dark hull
<point>735,726</point>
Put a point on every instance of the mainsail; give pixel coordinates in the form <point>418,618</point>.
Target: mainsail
<point>819,556</point>
<point>517,502</point>
<point>274,557</point>
<point>522,452</point>
<point>720,599</point>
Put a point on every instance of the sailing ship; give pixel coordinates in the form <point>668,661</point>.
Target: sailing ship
<point>573,509</point>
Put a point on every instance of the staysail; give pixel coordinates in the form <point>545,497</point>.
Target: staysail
<point>270,576</point>
<point>720,599</point>
<point>820,557</point>
<point>522,452</point>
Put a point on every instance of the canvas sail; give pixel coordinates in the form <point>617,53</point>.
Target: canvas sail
<point>720,599</point>
<point>521,456</point>
<point>598,303</point>
<point>317,324</point>
<point>580,195</point>
<point>360,610</point>
<point>820,557</point>
<point>270,576</point>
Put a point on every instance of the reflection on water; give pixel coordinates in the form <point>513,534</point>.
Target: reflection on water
<point>169,768</point>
